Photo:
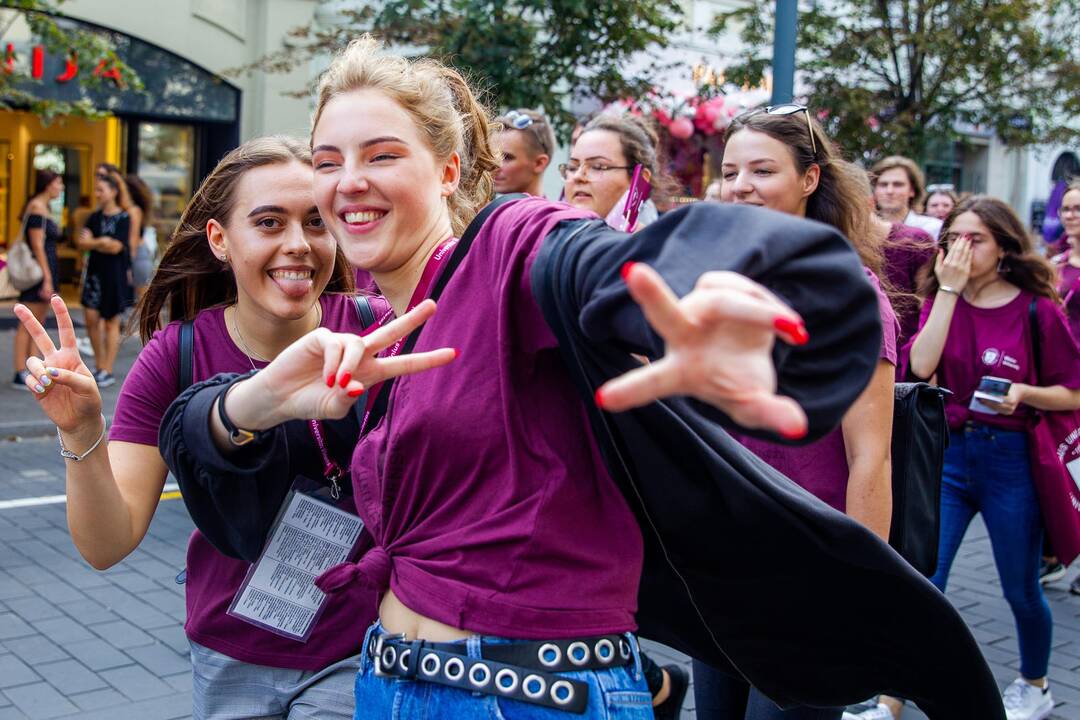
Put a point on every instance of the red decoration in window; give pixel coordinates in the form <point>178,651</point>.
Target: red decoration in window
<point>71,69</point>
<point>112,73</point>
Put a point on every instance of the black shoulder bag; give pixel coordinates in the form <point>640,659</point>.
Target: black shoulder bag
<point>919,439</point>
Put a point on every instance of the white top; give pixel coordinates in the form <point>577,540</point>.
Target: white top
<point>924,222</point>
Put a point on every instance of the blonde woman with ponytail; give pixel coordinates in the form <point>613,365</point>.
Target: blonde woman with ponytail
<point>506,559</point>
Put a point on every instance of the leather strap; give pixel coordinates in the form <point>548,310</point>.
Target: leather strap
<point>187,352</point>
<point>364,311</point>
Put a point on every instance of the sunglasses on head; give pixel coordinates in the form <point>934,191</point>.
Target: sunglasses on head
<point>519,120</point>
<point>786,109</point>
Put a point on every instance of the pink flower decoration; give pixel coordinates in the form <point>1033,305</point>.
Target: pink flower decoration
<point>681,129</point>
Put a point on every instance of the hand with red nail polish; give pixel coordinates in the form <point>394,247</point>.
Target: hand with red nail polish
<point>718,345</point>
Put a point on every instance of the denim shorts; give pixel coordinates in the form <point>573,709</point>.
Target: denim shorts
<point>227,689</point>
<point>614,694</point>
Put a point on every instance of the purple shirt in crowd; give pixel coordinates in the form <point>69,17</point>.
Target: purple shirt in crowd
<point>907,251</point>
<point>1069,289</point>
<point>483,488</point>
<point>997,342</point>
<point>821,467</point>
<point>212,578</point>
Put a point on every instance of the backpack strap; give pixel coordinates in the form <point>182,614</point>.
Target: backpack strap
<point>364,311</point>
<point>467,238</point>
<point>187,353</point>
<point>1033,321</point>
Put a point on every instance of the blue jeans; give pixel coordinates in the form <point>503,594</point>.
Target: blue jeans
<point>614,694</point>
<point>720,696</point>
<point>987,471</point>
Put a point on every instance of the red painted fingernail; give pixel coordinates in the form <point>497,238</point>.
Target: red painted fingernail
<point>345,378</point>
<point>356,393</point>
<point>794,434</point>
<point>626,268</point>
<point>796,330</point>
<point>599,396</point>
<point>457,353</point>
<point>330,380</point>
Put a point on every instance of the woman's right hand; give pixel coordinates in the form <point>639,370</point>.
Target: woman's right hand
<point>68,393</point>
<point>954,268</point>
<point>321,374</point>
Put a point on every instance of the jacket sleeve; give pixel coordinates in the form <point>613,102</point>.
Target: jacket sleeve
<point>809,265</point>
<point>232,499</point>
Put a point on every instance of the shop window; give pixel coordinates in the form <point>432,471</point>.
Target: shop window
<point>72,163</point>
<point>167,165</point>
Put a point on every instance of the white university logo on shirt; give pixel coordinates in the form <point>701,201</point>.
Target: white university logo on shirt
<point>990,356</point>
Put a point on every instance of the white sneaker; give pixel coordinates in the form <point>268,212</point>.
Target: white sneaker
<point>881,712</point>
<point>1024,701</point>
<point>86,349</point>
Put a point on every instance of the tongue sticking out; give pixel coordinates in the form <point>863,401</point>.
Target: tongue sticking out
<point>292,286</point>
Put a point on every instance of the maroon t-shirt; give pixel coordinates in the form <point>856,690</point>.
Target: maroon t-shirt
<point>907,251</point>
<point>484,491</point>
<point>821,467</point>
<point>1069,289</point>
<point>997,342</point>
<point>212,578</point>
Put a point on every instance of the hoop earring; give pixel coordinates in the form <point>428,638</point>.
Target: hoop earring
<point>1001,266</point>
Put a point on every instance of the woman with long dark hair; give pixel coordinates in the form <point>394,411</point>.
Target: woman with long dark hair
<point>251,267</point>
<point>976,324</point>
<point>41,233</point>
<point>141,212</point>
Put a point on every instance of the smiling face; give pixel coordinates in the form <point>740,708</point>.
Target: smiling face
<point>939,205</point>
<point>592,188</point>
<point>1070,214</point>
<point>893,191</point>
<point>277,245</point>
<point>760,170</point>
<point>377,182</point>
<point>985,252</point>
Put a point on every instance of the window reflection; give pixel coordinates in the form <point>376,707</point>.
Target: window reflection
<point>166,165</point>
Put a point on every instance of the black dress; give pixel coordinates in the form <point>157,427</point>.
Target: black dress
<point>52,235</point>
<point>108,277</point>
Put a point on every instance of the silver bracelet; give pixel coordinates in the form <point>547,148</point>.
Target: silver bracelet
<point>79,458</point>
<point>947,289</point>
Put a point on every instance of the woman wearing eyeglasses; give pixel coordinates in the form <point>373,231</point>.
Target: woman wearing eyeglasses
<point>602,163</point>
<point>779,158</point>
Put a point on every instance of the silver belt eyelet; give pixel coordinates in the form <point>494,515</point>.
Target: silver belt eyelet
<point>430,664</point>
<point>506,672</point>
<point>454,669</point>
<point>604,651</point>
<point>403,659</point>
<point>546,649</point>
<point>571,656</point>
<point>483,671</point>
<point>562,685</point>
<point>534,694</point>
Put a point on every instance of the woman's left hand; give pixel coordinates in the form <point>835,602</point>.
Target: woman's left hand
<point>718,348</point>
<point>1011,401</point>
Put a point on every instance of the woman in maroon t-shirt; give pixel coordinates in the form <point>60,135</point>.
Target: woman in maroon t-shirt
<point>249,262</point>
<point>975,325</point>
<point>1068,262</point>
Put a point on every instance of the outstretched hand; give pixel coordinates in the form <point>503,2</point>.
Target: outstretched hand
<point>60,381</point>
<point>321,374</point>
<point>718,348</point>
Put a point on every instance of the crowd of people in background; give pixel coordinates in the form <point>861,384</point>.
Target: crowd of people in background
<point>261,260</point>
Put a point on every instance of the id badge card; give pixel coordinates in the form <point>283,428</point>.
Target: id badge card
<point>309,536</point>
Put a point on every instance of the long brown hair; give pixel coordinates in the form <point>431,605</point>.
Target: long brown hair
<point>441,104</point>
<point>190,278</point>
<point>1021,265</point>
<point>840,198</point>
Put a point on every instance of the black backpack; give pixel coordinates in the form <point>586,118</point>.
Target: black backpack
<point>920,437</point>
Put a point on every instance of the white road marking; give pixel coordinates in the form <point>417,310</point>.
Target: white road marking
<point>57,499</point>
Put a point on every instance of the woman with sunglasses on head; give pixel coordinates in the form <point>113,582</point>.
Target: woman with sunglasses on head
<point>976,324</point>
<point>251,267</point>
<point>506,558</point>
<point>779,158</point>
<point>601,166</point>
<point>526,145</point>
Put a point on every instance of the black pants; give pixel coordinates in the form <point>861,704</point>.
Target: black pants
<point>719,696</point>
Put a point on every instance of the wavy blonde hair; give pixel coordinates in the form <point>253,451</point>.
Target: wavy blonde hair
<point>441,103</point>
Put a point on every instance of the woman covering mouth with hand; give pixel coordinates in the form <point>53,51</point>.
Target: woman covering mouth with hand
<point>253,268</point>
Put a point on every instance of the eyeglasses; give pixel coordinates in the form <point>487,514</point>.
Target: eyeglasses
<point>1069,210</point>
<point>519,120</point>
<point>787,109</point>
<point>592,169</point>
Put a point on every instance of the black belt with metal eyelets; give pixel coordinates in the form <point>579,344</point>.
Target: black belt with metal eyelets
<point>524,671</point>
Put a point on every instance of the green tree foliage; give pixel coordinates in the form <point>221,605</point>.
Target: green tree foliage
<point>17,86</point>
<point>895,75</point>
<point>525,53</point>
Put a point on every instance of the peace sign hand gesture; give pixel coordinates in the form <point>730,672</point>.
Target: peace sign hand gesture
<point>321,374</point>
<point>61,383</point>
<point>718,348</point>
